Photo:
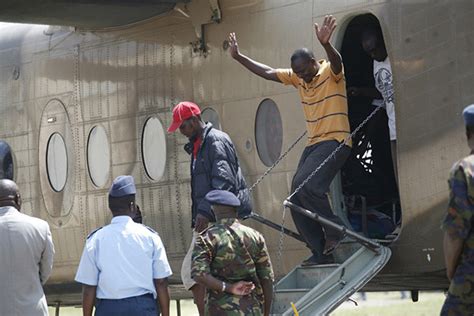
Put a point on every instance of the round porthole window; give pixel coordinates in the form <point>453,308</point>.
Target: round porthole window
<point>154,148</point>
<point>56,162</point>
<point>6,161</point>
<point>98,156</point>
<point>210,115</point>
<point>268,132</point>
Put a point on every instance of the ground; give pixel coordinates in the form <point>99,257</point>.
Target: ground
<point>386,304</point>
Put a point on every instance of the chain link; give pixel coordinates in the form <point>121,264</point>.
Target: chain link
<point>280,241</point>
<point>277,162</point>
<point>280,251</point>
<point>333,153</point>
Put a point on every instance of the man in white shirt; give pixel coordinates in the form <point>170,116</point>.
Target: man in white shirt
<point>26,256</point>
<point>124,268</point>
<point>374,45</point>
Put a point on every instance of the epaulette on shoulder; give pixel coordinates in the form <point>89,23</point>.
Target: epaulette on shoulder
<point>151,229</point>
<point>93,232</point>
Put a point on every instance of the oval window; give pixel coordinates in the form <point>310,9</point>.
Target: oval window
<point>56,162</point>
<point>154,148</point>
<point>210,115</point>
<point>6,161</point>
<point>98,156</point>
<point>268,132</point>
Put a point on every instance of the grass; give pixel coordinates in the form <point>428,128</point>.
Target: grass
<point>378,304</point>
<point>390,304</point>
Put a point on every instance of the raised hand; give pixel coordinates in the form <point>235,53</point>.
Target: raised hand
<point>241,288</point>
<point>234,46</point>
<point>324,32</point>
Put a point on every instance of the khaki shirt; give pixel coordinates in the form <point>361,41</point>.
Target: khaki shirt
<point>26,261</point>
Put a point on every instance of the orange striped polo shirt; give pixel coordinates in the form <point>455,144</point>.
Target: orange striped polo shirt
<point>324,103</point>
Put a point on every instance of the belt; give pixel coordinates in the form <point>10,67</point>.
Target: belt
<point>146,296</point>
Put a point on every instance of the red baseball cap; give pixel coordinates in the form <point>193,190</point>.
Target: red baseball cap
<point>181,112</point>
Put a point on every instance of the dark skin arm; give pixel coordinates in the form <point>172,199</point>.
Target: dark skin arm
<point>161,286</point>
<point>267,286</point>
<point>240,288</point>
<point>452,252</point>
<point>324,34</point>
<point>88,299</point>
<point>257,68</point>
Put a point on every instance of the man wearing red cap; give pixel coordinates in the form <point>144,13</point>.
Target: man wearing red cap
<point>214,166</point>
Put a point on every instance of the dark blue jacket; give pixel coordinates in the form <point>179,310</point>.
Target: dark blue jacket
<point>216,167</point>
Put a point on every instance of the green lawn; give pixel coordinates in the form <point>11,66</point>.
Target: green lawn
<point>390,304</point>
<point>376,304</point>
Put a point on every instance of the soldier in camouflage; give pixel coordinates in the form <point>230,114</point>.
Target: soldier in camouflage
<point>458,226</point>
<point>231,260</point>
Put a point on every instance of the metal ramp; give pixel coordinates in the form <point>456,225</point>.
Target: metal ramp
<point>318,290</point>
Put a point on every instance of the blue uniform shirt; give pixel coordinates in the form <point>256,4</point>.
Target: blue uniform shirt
<point>122,259</point>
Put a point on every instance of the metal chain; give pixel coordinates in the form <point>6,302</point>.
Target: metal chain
<point>280,251</point>
<point>334,152</point>
<point>277,162</point>
<point>280,241</point>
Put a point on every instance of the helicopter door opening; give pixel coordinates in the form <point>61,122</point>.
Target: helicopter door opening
<point>369,185</point>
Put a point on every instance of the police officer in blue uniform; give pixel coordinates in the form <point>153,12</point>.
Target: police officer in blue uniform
<point>124,268</point>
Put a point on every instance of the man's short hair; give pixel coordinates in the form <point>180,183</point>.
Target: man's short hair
<point>469,130</point>
<point>302,53</point>
<point>122,203</point>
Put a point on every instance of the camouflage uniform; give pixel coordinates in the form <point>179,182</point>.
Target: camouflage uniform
<point>459,222</point>
<point>232,252</point>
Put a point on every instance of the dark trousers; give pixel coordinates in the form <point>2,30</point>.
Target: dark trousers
<point>143,305</point>
<point>313,196</point>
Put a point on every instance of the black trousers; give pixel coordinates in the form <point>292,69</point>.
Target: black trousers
<point>313,196</point>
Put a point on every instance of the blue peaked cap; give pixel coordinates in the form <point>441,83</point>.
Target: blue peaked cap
<point>222,197</point>
<point>122,186</point>
<point>468,114</point>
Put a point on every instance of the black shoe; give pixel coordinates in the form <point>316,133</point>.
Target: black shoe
<point>331,245</point>
<point>313,261</point>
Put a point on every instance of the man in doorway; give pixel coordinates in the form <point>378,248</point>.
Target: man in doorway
<point>214,166</point>
<point>383,95</point>
<point>124,269</point>
<point>322,90</point>
<point>232,261</point>
<point>459,231</point>
<point>26,256</point>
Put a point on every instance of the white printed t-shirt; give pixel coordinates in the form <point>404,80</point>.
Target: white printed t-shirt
<point>384,84</point>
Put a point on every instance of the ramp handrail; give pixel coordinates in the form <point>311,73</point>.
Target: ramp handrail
<point>325,222</point>
<point>276,226</point>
